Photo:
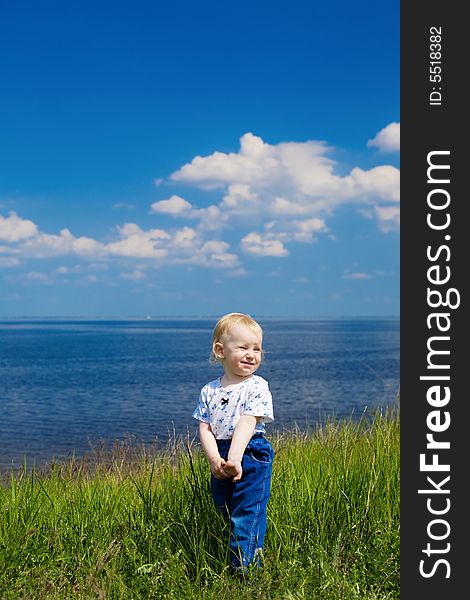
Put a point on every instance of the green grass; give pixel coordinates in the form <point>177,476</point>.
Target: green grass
<point>139,524</point>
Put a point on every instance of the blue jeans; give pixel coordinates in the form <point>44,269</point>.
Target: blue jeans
<point>244,503</point>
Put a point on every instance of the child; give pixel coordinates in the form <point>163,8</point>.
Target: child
<point>232,411</point>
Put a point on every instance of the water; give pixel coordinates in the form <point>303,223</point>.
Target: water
<point>66,384</point>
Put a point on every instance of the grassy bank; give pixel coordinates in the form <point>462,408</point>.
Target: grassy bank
<point>144,527</point>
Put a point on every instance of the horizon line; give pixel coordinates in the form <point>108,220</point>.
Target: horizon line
<point>208,316</point>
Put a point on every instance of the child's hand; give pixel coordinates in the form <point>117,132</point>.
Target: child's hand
<point>234,470</point>
<point>217,468</point>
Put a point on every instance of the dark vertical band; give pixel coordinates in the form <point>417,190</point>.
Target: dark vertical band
<point>434,272</point>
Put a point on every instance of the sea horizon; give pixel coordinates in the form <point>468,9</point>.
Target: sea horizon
<point>193,317</point>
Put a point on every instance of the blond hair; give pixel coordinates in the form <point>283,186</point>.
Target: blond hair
<point>225,324</point>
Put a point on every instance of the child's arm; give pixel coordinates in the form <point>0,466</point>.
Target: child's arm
<point>209,445</point>
<point>241,436</point>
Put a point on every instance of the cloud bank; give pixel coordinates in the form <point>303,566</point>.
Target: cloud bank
<point>270,196</point>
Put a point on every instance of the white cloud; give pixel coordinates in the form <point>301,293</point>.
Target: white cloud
<point>184,238</point>
<point>135,275</point>
<point>240,272</point>
<point>9,261</point>
<point>290,179</point>
<point>357,275</point>
<point>224,260</point>
<point>237,194</point>
<point>175,206</point>
<point>136,243</point>
<point>215,247</point>
<point>14,228</point>
<point>254,243</point>
<point>304,230</point>
<point>182,246</point>
<point>388,139</point>
<point>80,268</point>
<point>388,217</point>
<point>378,183</point>
<point>254,162</point>
<point>37,277</point>
<point>271,195</point>
<point>44,245</point>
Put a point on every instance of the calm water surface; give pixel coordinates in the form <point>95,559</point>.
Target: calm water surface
<point>65,385</point>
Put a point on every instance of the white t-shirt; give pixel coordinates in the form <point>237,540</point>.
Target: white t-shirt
<point>223,408</point>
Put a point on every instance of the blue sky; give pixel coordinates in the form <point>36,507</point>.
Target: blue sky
<point>199,158</point>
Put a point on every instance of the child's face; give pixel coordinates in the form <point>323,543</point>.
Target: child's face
<point>240,351</point>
